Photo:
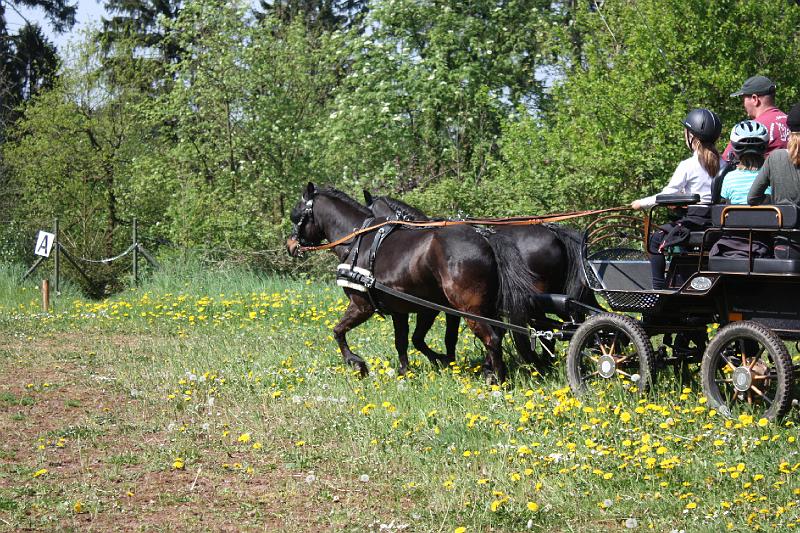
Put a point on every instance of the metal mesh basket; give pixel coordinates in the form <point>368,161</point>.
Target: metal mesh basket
<point>631,301</point>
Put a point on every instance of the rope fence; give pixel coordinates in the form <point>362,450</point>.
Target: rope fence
<point>59,249</point>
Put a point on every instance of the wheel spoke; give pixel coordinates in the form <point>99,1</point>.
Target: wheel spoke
<point>728,361</point>
<point>764,377</point>
<point>756,389</point>
<point>724,380</point>
<point>742,352</point>
<point>611,350</point>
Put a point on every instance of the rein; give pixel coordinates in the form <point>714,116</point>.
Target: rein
<point>512,221</point>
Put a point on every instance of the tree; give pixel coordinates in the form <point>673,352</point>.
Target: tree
<point>241,119</point>
<point>142,22</point>
<point>61,16</point>
<point>326,15</point>
<point>428,87</point>
<point>72,155</point>
<point>613,131</point>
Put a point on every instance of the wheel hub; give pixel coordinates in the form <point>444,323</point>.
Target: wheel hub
<point>606,366</point>
<point>742,379</point>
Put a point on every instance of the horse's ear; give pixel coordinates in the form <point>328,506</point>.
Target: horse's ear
<point>367,197</point>
<point>310,190</point>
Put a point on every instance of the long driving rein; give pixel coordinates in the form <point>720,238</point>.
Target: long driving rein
<point>511,221</point>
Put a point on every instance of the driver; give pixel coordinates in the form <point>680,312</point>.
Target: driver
<point>701,130</point>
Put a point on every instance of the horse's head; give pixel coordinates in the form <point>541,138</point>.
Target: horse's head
<point>305,232</point>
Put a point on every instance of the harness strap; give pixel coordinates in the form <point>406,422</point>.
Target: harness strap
<point>516,221</point>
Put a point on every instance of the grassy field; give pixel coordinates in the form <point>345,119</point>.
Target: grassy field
<point>222,404</point>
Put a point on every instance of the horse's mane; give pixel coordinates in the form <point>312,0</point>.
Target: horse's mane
<point>403,207</point>
<point>339,195</point>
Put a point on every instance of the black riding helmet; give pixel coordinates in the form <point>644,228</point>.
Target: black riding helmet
<point>703,124</point>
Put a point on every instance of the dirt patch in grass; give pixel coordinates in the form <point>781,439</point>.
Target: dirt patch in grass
<point>80,453</point>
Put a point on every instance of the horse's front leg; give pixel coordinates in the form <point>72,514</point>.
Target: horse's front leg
<point>400,322</point>
<point>356,313</point>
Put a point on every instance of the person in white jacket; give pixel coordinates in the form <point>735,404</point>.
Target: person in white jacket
<point>694,175</point>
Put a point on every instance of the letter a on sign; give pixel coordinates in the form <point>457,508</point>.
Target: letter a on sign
<point>44,243</point>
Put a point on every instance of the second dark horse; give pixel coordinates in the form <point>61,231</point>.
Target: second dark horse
<point>550,251</point>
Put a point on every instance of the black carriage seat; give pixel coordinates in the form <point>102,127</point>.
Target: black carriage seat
<point>623,275</point>
<point>777,217</point>
<point>693,209</point>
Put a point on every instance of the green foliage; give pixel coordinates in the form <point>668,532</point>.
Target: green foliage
<point>204,123</point>
<point>243,113</point>
<point>428,88</point>
<point>613,131</point>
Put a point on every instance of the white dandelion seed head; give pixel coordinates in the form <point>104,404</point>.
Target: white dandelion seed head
<point>364,478</point>
<point>631,523</point>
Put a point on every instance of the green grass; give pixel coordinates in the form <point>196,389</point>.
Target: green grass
<point>254,395</point>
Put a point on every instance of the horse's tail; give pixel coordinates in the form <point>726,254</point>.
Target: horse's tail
<point>517,283</point>
<point>574,283</point>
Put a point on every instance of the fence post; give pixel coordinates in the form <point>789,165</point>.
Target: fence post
<point>57,258</point>
<point>135,255</point>
<point>45,295</point>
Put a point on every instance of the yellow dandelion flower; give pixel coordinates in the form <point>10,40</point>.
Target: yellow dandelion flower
<point>78,507</point>
<point>691,505</point>
<point>244,437</point>
<point>300,443</point>
<point>533,507</point>
<point>178,463</point>
<point>257,446</point>
<point>496,504</point>
<point>40,472</point>
<point>460,529</point>
<point>763,422</point>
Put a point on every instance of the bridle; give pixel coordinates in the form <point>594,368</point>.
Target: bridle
<point>305,216</point>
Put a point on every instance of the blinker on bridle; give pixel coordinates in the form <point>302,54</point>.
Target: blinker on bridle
<point>307,214</point>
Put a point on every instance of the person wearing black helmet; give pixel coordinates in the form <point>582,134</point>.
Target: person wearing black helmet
<point>693,176</point>
<point>758,98</point>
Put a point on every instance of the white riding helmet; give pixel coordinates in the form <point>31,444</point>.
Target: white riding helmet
<point>749,137</point>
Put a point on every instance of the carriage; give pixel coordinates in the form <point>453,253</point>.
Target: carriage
<point>753,301</point>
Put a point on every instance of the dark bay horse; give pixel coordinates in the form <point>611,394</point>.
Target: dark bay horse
<point>551,251</point>
<point>453,266</point>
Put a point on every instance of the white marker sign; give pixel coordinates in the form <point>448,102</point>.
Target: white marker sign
<point>44,243</point>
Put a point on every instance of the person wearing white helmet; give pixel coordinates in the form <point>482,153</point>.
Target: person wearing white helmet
<point>749,140</point>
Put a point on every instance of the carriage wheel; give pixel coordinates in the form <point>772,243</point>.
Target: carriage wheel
<point>610,352</point>
<point>747,363</point>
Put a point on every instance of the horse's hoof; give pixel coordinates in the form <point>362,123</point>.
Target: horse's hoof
<point>364,369</point>
<point>401,371</point>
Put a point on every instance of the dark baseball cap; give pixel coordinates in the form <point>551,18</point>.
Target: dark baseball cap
<point>756,85</point>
